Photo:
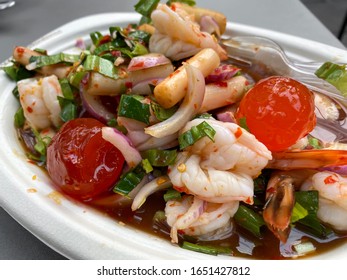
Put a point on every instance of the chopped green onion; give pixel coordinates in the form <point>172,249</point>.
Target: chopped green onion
<point>249,219</point>
<point>68,109</point>
<point>203,116</point>
<point>304,248</point>
<point>160,158</point>
<point>139,49</point>
<point>100,65</point>
<point>206,249</point>
<point>146,7</point>
<point>45,60</point>
<point>298,213</point>
<point>139,35</point>
<point>172,194</point>
<point>76,78</point>
<point>159,216</point>
<point>66,88</point>
<point>315,143</point>
<point>130,106</point>
<point>95,37</point>
<point>188,2</point>
<point>147,166</point>
<point>17,72</point>
<point>191,136</point>
<point>19,118</point>
<point>42,51</point>
<point>243,123</point>
<point>129,180</point>
<point>15,92</point>
<point>41,143</point>
<point>334,74</point>
<point>309,200</point>
<point>113,123</point>
<point>161,113</point>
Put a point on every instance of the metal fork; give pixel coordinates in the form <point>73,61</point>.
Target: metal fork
<point>260,50</point>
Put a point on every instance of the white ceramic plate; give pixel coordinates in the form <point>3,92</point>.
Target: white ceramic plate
<point>73,229</point>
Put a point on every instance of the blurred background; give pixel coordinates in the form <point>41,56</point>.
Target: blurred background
<point>333,14</point>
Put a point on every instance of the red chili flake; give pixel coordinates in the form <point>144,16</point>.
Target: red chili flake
<point>180,189</point>
<point>96,85</point>
<point>238,132</point>
<point>220,215</point>
<point>116,53</point>
<point>221,84</point>
<point>129,84</point>
<point>249,200</point>
<point>139,64</point>
<point>29,109</point>
<point>173,7</point>
<point>330,180</point>
<point>20,51</point>
<point>271,190</point>
<point>105,39</point>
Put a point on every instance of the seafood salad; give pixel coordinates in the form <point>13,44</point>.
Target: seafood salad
<point>154,125</point>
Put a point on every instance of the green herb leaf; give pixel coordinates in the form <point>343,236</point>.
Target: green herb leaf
<point>147,167</point>
<point>249,219</point>
<point>19,118</point>
<point>243,123</point>
<point>146,7</point>
<point>45,60</point>
<point>172,194</point>
<point>298,213</point>
<point>188,2</point>
<point>160,158</point>
<point>68,109</point>
<point>129,180</point>
<point>17,72</point>
<point>100,65</point>
<point>161,113</point>
<point>206,249</point>
<point>334,74</point>
<point>130,106</point>
<point>191,136</point>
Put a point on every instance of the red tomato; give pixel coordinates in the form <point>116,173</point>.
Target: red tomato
<point>278,111</point>
<point>80,162</point>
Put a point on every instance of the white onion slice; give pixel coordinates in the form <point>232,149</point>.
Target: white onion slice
<point>155,185</point>
<point>189,107</point>
<point>123,144</point>
<point>147,61</point>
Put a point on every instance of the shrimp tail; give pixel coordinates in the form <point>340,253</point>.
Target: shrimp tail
<point>307,159</point>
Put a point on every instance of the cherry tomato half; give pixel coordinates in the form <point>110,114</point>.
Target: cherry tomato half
<point>278,111</point>
<point>80,162</point>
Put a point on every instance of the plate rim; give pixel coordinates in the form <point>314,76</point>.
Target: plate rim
<point>42,227</point>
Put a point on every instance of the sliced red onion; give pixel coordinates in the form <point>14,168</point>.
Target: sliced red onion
<point>226,117</point>
<point>342,169</point>
<point>123,144</point>
<point>222,73</point>
<point>80,44</point>
<point>136,132</point>
<point>147,61</point>
<point>189,107</point>
<point>94,106</point>
<point>155,185</point>
<point>208,24</point>
<point>165,142</point>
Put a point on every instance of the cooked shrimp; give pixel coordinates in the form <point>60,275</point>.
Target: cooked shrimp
<point>332,189</point>
<point>23,54</point>
<point>233,149</point>
<point>39,99</point>
<point>177,36</point>
<point>195,217</point>
<point>220,171</point>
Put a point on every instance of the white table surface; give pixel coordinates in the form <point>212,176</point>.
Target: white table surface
<point>31,19</point>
